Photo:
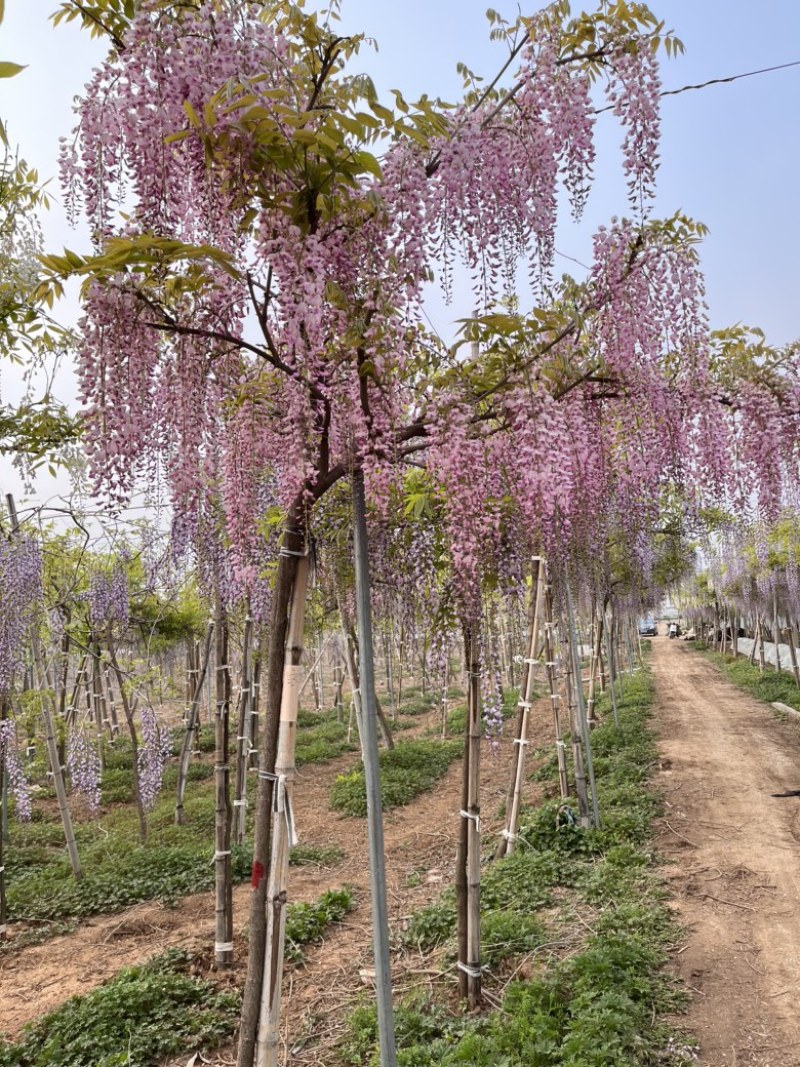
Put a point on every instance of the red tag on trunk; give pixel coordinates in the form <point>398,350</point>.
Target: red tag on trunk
<point>257,874</point>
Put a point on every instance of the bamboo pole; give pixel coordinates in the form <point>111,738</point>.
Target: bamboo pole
<point>242,735</point>
<point>192,717</point>
<point>268,1036</point>
<point>581,707</point>
<point>551,667</point>
<point>611,678</point>
<point>597,645</point>
<point>508,836</point>
<point>468,858</point>
<point>128,712</point>
<point>223,812</point>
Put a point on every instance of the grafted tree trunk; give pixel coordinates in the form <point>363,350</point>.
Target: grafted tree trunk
<point>283,595</point>
<point>268,1036</point>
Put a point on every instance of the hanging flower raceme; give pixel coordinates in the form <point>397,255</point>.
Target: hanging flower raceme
<point>108,597</point>
<point>9,757</point>
<point>84,767</point>
<point>154,753</point>
<point>20,599</point>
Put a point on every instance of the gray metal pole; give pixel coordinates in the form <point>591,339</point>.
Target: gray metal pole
<point>369,741</point>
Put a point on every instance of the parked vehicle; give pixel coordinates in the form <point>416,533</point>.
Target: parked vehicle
<point>648,628</point>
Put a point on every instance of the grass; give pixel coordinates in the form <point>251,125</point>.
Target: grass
<point>321,737</point>
<point>602,1002</point>
<point>137,1019</point>
<point>769,686</point>
<point>307,922</point>
<point>410,768</point>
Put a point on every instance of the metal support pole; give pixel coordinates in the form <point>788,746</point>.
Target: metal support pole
<point>369,741</point>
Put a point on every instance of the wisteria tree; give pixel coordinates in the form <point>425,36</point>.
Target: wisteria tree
<point>263,231</point>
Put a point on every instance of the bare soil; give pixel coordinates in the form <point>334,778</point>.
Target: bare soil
<point>735,860</point>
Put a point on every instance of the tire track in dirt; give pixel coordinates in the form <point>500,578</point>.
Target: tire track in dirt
<point>735,853</point>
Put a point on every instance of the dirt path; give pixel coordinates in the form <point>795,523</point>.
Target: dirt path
<point>736,860</point>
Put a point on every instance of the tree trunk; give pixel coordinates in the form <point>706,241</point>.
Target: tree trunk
<point>273,669</point>
<point>283,830</point>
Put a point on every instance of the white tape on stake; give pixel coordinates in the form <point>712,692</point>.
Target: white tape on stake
<point>519,741</point>
<point>475,818</point>
<point>223,946</point>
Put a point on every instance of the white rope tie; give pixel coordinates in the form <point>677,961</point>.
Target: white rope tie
<point>240,803</point>
<point>223,946</point>
<point>508,835</point>
<point>220,855</point>
<point>524,704</point>
<point>282,804</point>
<point>470,969</point>
<point>520,741</point>
<point>475,818</point>
<point>291,552</point>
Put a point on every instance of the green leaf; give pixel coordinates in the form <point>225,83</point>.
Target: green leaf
<point>9,70</point>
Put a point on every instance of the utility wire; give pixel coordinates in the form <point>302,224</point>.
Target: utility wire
<point>715,81</point>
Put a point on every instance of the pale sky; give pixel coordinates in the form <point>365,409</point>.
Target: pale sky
<point>729,152</point>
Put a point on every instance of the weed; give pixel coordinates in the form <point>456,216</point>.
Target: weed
<point>144,1014</point>
<point>305,923</point>
<point>770,686</point>
<point>408,769</point>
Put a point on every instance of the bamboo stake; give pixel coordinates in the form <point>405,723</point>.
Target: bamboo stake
<point>508,837</point>
<point>242,735</point>
<point>552,685</point>
<point>192,720</point>
<point>268,1036</point>
<point>568,669</point>
<point>581,707</point>
<point>468,859</point>
<point>595,659</point>
<point>611,679</point>
<point>223,882</point>
<point>128,712</point>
